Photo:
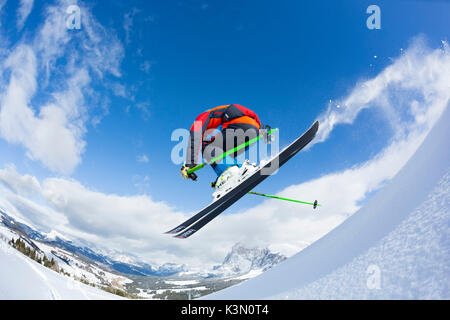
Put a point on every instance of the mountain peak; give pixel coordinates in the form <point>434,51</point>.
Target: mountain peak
<point>243,259</point>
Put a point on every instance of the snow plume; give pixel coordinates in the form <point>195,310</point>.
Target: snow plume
<point>416,83</point>
<point>52,129</point>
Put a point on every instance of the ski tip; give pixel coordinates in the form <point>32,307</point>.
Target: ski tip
<point>185,234</point>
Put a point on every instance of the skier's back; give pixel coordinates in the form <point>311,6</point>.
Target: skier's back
<point>210,134</point>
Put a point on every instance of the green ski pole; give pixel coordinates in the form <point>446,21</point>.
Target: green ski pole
<point>223,155</point>
<point>314,204</point>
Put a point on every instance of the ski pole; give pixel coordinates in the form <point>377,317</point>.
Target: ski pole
<point>314,204</point>
<point>223,155</point>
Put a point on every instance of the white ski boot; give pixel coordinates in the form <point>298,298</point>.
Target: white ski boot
<point>231,178</point>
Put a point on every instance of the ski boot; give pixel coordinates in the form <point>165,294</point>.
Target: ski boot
<point>231,178</point>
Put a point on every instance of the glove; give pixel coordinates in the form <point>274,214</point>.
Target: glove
<point>184,173</point>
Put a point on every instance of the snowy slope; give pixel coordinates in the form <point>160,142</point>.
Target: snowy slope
<point>396,247</point>
<point>22,278</point>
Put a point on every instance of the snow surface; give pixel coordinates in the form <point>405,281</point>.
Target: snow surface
<point>70,263</point>
<point>396,247</point>
<point>182,282</point>
<point>24,279</point>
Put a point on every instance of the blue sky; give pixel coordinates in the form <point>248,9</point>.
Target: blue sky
<point>150,67</point>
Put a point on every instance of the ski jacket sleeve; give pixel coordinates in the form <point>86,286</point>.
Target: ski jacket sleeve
<point>197,132</point>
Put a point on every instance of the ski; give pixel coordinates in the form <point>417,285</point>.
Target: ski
<point>191,220</point>
<point>207,209</point>
<point>198,221</point>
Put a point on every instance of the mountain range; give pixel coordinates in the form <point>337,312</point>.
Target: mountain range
<point>126,272</point>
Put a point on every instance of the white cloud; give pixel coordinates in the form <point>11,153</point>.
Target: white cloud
<point>105,214</point>
<point>23,12</point>
<point>49,136</point>
<point>144,107</point>
<point>142,158</point>
<point>145,66</point>
<point>119,90</point>
<point>128,23</point>
<point>52,131</point>
<point>25,185</point>
<point>135,223</point>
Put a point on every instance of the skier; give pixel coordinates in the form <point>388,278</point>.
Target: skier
<point>234,189</point>
<point>216,131</point>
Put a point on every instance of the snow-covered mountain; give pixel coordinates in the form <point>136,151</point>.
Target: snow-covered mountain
<point>74,262</point>
<point>119,262</point>
<point>242,260</point>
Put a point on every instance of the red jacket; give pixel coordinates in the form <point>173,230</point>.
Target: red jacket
<point>226,115</point>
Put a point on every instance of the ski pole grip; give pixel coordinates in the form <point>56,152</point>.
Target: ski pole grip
<point>198,167</point>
